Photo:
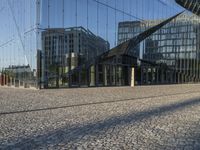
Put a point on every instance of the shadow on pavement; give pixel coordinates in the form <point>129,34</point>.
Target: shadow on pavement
<point>74,134</point>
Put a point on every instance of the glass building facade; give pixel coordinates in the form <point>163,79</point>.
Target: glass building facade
<point>67,43</point>
<point>176,44</point>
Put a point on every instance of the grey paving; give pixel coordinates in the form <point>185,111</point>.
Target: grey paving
<point>147,117</point>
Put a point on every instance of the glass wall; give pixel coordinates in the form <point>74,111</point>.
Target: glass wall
<point>18,42</point>
<point>44,42</point>
<point>74,32</point>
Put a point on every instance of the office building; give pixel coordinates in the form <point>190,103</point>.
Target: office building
<point>66,49</point>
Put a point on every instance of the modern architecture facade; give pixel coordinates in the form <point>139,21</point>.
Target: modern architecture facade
<point>51,43</point>
<point>176,45</point>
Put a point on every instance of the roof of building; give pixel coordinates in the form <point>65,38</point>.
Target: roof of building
<point>71,29</point>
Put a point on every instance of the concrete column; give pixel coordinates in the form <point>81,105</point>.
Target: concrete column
<point>110,75</point>
<point>4,80</point>
<point>105,75</point>
<point>92,75</point>
<point>132,77</point>
<point>20,84</point>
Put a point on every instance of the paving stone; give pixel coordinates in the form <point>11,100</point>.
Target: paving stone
<point>145,117</point>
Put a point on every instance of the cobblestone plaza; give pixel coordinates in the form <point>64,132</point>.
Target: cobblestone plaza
<point>100,74</point>
<point>165,117</point>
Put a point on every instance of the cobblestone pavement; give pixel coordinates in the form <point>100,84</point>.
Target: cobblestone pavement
<point>147,117</point>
